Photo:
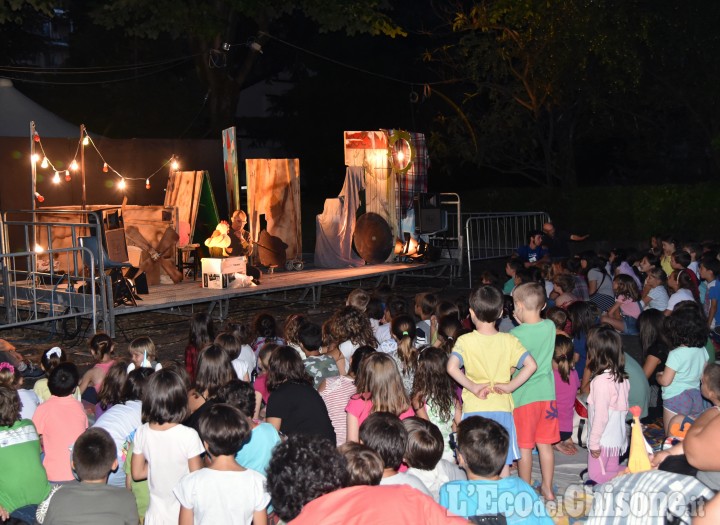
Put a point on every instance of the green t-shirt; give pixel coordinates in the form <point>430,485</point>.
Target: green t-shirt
<point>23,480</point>
<point>139,488</point>
<point>539,340</point>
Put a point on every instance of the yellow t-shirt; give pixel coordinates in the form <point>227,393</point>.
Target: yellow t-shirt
<point>489,359</point>
<point>43,392</point>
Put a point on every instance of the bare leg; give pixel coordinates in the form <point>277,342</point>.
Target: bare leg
<point>525,465</point>
<point>547,470</point>
<point>617,324</point>
<point>505,472</point>
<point>667,419</point>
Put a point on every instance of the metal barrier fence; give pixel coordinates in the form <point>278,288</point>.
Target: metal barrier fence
<point>495,235</point>
<point>46,284</point>
<point>450,241</point>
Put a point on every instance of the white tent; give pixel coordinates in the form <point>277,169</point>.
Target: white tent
<point>17,111</point>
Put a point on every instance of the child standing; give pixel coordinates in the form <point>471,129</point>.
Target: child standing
<point>163,449</point>
<point>102,349</point>
<point>535,411</point>
<point>489,357</point>
<point>624,313</point>
<point>59,421</point>
<point>210,495</point>
<point>567,383</point>
<point>709,272</point>
<point>93,458</point>
<point>433,395</point>
<point>607,404</point>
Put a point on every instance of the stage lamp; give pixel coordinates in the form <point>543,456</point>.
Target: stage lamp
<point>74,165</point>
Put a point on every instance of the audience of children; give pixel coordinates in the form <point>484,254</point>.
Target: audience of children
<point>393,415</point>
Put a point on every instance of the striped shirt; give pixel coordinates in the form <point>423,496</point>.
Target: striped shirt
<point>338,391</point>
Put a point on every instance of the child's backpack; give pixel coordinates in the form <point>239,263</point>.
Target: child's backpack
<point>580,421</point>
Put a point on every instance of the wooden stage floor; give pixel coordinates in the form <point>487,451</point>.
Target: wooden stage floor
<point>308,283</point>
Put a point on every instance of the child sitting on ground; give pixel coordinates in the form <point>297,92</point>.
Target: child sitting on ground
<point>425,304</point>
<point>385,434</point>
<point>11,378</point>
<point>365,466</point>
<point>92,500</point>
<point>256,452</point>
<point>143,354</point>
<point>317,365</point>
<point>423,456</point>
<point>48,361</point>
<point>624,313</point>
<point>59,421</point>
<point>210,495</point>
<point>482,449</point>
<point>102,349</point>
<point>358,298</point>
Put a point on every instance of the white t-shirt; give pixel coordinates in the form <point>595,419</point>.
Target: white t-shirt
<point>247,355</point>
<point>383,333</point>
<point>347,348</point>
<point>443,472</point>
<point>167,453</point>
<point>403,478</point>
<point>218,496</point>
<point>241,368</point>
<point>30,402</point>
<point>683,294</point>
<point>120,421</point>
<point>658,298</point>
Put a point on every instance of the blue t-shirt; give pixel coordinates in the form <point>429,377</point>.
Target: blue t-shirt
<point>713,293</point>
<point>531,254</point>
<point>511,496</point>
<point>256,453</point>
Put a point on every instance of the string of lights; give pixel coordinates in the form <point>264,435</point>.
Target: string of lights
<point>73,165</point>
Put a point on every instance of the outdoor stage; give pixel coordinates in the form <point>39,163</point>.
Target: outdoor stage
<point>306,283</point>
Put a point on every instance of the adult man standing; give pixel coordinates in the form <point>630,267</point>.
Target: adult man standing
<point>558,241</point>
<point>533,254</point>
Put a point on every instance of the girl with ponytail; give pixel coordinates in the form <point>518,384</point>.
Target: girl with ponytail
<point>406,355</point>
<point>566,388</point>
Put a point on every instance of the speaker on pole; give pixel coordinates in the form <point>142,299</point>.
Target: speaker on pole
<point>428,213</point>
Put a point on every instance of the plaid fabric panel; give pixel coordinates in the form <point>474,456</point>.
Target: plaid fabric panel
<point>414,180</point>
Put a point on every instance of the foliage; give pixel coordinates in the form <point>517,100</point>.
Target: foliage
<point>16,11</point>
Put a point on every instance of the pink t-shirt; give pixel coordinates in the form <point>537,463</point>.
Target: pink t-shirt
<point>628,306</point>
<point>565,394</point>
<point>362,408</point>
<point>260,385</point>
<point>59,420</point>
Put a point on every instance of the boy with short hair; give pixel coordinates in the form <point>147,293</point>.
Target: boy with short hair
<point>709,272</point>
<point>94,456</point>
<point>364,465</point>
<point>358,298</point>
<point>535,412</point>
<point>395,306</point>
<point>318,366</point>
<point>481,448</point>
<point>59,421</point>
<point>211,495</point>
<point>385,434</point>
<point>489,357</point>
<point>423,455</point>
<point>511,268</point>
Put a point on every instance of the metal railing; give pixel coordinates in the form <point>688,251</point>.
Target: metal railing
<point>42,283</point>
<point>495,235</point>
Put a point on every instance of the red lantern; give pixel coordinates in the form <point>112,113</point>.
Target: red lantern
<point>36,137</point>
<point>105,168</point>
<point>147,184</point>
<point>39,197</point>
<point>67,176</point>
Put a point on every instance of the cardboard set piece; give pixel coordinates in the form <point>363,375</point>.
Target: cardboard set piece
<point>225,272</point>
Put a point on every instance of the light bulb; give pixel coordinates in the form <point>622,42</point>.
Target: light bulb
<point>74,165</point>
<point>44,163</point>
<point>36,137</point>
<point>121,184</point>
<point>86,140</point>
<point>147,184</point>
<point>39,249</point>
<point>56,178</point>
<point>35,158</point>
<point>67,176</point>
<point>39,197</point>
<point>401,156</point>
<point>105,167</point>
<point>175,165</point>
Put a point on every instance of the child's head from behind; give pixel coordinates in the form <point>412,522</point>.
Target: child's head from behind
<point>265,326</point>
<point>286,366</point>
<point>223,429</point>
<point>425,444</point>
<point>264,355</point>
<point>529,298</point>
<point>365,466</point>
<point>605,352</point>
<point>710,384</point>
<point>385,434</point>
<point>358,298</point>
<point>564,283</point>
<point>402,328</point>
<point>432,382</point>
<point>214,369</point>
<point>425,304</point>
<point>10,376</point>
<point>486,303</point>
<point>240,330</point>
<point>292,326</point>
<point>111,391</point>
<point>229,343</point>
<point>358,357</point>
<point>625,285</point>
<point>379,379</point>
<point>63,379</point>
<point>558,316</point>
<point>687,326</point>
<point>94,455</point>
<point>101,346</point>
<point>482,446</point>
<point>563,356</point>
<point>375,309</point>
<point>165,398</point>
<point>9,406</point>
<point>310,336</point>
<point>202,330</point>
<point>141,349</point>
<point>239,394</point>
<point>51,358</point>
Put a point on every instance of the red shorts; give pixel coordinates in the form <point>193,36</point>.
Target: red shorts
<point>537,423</point>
